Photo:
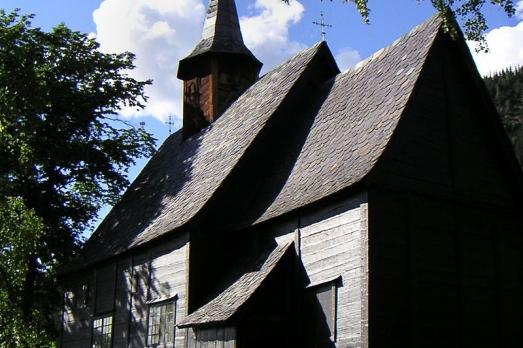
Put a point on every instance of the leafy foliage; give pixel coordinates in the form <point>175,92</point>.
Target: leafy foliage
<point>63,150</point>
<point>469,12</point>
<point>506,89</point>
<point>20,232</point>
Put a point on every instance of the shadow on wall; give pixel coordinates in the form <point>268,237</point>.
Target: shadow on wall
<point>148,281</point>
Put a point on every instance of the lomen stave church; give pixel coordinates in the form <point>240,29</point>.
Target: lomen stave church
<point>379,207</point>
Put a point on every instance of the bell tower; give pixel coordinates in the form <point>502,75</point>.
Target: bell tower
<point>219,69</point>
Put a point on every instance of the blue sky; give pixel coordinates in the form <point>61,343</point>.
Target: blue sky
<point>161,32</point>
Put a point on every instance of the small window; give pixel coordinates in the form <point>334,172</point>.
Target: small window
<point>83,296</point>
<point>322,301</point>
<point>102,330</point>
<point>160,328</point>
<point>326,297</point>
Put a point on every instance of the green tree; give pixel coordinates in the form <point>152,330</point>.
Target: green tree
<point>469,12</point>
<point>20,232</point>
<point>506,90</point>
<point>63,150</point>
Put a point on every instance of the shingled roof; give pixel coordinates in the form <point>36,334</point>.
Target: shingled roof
<point>349,132</point>
<point>182,176</point>
<point>356,121</point>
<point>230,301</point>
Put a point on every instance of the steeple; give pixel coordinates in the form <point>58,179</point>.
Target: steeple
<point>218,70</point>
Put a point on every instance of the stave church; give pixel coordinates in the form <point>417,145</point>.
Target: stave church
<point>379,207</point>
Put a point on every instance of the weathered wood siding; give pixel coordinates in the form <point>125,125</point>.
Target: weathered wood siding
<point>444,226</point>
<point>332,242</point>
<point>219,337</point>
<point>337,246</point>
<point>443,274</point>
<point>122,303</point>
<point>125,289</point>
<point>105,286</point>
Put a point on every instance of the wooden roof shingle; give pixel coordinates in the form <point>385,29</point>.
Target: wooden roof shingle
<point>230,301</point>
<point>355,122</point>
<point>349,132</point>
<point>182,176</point>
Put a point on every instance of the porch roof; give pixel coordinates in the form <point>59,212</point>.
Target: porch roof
<point>228,302</point>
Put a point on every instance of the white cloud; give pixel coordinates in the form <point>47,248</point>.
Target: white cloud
<point>519,10</point>
<point>266,30</point>
<point>347,58</point>
<point>161,32</point>
<point>505,47</point>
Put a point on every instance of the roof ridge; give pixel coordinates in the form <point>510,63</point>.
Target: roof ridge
<point>434,19</point>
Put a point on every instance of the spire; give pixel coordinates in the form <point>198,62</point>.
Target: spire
<point>219,69</point>
<point>221,34</point>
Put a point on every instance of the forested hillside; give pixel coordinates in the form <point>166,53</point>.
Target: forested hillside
<point>506,89</point>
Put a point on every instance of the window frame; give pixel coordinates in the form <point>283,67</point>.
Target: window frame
<point>333,284</point>
<point>103,317</point>
<point>156,303</point>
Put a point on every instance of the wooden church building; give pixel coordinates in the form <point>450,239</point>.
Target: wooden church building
<point>380,207</point>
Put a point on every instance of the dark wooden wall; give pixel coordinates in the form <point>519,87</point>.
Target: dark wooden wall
<point>216,83</point>
<point>444,221</point>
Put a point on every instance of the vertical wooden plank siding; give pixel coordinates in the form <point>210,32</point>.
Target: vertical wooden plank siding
<point>122,303</point>
<point>229,338</point>
<point>168,278</point>
<point>125,289</point>
<point>138,317</point>
<point>218,337</point>
<point>191,338</point>
<point>105,286</point>
<point>443,222</point>
<point>423,293</point>
<point>364,252</point>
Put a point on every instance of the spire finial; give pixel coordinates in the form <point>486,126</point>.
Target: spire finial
<point>322,26</point>
<point>170,123</point>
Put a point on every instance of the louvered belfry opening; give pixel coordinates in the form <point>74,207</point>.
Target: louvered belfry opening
<point>218,70</point>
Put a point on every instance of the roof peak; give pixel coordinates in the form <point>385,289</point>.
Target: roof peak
<point>222,21</point>
<point>221,31</point>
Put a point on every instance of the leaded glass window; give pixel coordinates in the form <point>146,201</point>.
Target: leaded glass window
<point>102,330</point>
<point>160,329</point>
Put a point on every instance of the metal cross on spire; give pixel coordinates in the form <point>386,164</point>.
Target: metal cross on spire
<point>322,25</point>
<point>170,123</point>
